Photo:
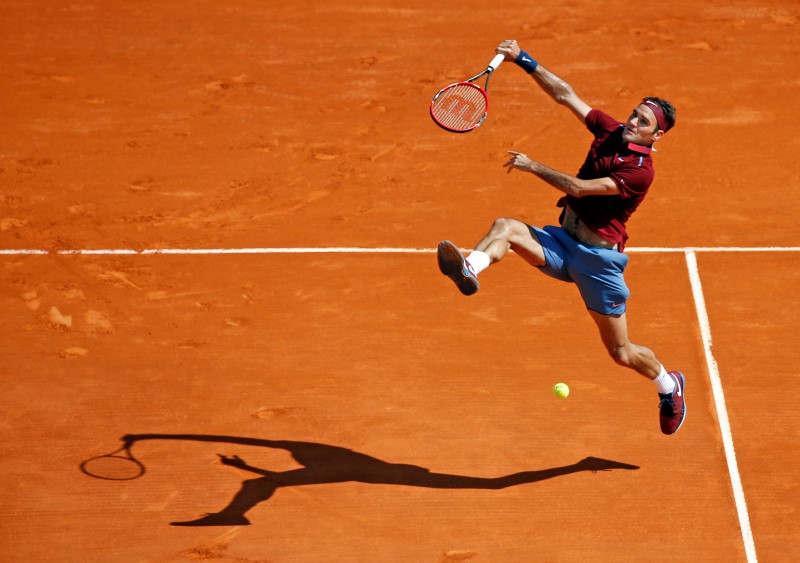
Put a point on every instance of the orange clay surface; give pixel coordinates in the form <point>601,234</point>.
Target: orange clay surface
<point>393,419</point>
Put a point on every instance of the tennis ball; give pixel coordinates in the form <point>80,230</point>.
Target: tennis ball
<point>561,390</point>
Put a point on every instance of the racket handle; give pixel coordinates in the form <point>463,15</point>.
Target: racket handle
<point>499,58</point>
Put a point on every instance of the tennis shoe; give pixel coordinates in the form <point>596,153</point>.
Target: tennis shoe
<point>672,407</point>
<point>453,265</point>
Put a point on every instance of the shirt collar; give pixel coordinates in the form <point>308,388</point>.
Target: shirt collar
<point>641,149</point>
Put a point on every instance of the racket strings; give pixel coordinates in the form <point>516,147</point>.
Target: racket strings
<point>460,107</point>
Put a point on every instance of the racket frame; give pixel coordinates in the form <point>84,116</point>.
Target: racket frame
<point>490,68</point>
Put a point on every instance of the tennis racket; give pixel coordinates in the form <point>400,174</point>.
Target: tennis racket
<point>462,106</point>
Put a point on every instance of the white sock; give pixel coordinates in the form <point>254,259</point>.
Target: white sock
<point>665,382</point>
<point>479,261</point>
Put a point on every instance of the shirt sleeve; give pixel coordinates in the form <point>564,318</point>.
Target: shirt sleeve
<point>598,122</point>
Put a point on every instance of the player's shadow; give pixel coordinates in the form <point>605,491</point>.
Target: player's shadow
<point>331,464</point>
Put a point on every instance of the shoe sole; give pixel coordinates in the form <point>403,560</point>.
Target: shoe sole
<point>451,264</point>
<point>678,375</point>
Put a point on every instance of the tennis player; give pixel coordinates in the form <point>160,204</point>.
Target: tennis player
<point>587,248</point>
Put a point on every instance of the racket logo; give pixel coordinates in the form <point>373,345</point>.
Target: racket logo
<point>460,107</point>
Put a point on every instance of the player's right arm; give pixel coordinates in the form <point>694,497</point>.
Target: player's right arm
<point>561,92</point>
<point>554,86</point>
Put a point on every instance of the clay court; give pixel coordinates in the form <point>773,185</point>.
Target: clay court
<point>218,224</point>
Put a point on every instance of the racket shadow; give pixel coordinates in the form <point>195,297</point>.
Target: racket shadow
<point>326,464</point>
<point>119,465</point>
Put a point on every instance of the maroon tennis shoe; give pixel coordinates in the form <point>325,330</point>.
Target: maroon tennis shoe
<point>672,408</point>
<point>453,265</point>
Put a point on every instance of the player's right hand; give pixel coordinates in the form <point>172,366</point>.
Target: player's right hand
<point>509,48</point>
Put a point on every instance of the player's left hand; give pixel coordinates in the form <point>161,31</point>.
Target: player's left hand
<point>233,461</point>
<point>519,161</point>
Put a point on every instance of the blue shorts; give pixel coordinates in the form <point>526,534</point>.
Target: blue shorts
<point>595,270</point>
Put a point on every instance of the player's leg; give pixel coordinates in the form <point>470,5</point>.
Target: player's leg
<point>505,235</point>
<point>614,333</point>
<point>510,234</point>
<point>252,492</point>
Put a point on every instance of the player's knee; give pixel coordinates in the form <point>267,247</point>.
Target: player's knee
<point>503,227</point>
<point>623,355</point>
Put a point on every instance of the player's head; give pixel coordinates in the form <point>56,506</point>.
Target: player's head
<point>649,121</point>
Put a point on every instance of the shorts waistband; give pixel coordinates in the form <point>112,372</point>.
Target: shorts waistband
<point>578,230</point>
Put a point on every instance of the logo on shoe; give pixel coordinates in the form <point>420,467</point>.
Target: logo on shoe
<point>678,386</point>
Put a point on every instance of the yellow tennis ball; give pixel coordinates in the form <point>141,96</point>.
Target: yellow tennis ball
<point>561,390</point>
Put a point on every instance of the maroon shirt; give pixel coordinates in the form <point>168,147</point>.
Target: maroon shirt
<point>630,166</point>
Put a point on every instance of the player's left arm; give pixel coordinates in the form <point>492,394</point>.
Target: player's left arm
<point>570,185</point>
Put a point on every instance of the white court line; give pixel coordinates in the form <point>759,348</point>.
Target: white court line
<point>21,252</point>
<point>722,411</point>
<point>212,251</point>
<point>354,250</point>
<point>653,249</point>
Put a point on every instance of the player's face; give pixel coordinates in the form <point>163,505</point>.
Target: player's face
<point>641,127</point>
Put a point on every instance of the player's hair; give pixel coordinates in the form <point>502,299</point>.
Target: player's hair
<point>668,109</point>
